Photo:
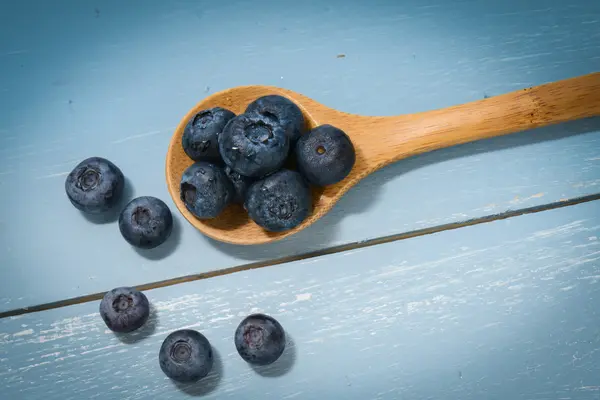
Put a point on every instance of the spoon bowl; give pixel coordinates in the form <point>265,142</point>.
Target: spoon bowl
<point>379,140</point>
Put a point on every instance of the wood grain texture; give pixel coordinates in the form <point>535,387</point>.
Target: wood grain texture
<point>113,79</point>
<point>399,137</point>
<point>505,310</point>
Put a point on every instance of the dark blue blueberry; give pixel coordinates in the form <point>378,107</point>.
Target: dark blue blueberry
<point>325,155</point>
<point>186,356</point>
<point>146,222</point>
<point>124,309</point>
<point>253,145</point>
<point>259,339</point>
<point>205,189</point>
<point>200,136</point>
<point>280,201</point>
<point>95,185</point>
<point>240,184</point>
<point>283,111</point>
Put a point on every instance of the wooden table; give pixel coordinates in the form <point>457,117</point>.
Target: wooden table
<point>467,273</point>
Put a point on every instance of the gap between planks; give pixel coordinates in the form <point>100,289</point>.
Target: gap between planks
<point>309,255</point>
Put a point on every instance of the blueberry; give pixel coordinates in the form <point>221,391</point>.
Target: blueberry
<point>146,222</point>
<point>240,184</point>
<point>259,339</point>
<point>95,185</point>
<point>280,201</point>
<point>200,136</point>
<point>186,356</point>
<point>253,145</point>
<point>325,155</point>
<point>205,189</point>
<point>283,111</point>
<point>124,309</point>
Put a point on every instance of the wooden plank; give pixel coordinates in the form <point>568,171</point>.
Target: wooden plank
<point>505,310</point>
<point>114,78</point>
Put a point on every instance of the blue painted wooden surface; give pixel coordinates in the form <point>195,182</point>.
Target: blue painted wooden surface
<point>504,310</point>
<point>109,78</point>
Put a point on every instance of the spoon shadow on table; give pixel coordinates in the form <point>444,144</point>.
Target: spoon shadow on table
<point>324,232</point>
<point>209,383</point>
<point>112,215</point>
<point>283,365</point>
<point>142,333</point>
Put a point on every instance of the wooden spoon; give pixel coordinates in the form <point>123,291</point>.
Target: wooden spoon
<point>380,141</point>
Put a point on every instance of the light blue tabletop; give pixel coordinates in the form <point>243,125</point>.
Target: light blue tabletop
<point>499,310</point>
<point>84,78</point>
<point>503,310</point>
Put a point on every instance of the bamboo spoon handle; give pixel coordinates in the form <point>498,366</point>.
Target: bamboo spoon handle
<point>534,107</point>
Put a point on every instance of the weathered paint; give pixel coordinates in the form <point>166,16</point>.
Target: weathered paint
<point>113,78</point>
<point>504,310</point>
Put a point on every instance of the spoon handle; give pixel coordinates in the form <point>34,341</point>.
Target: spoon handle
<point>534,107</point>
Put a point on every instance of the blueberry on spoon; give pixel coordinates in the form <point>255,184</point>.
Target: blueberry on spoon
<point>325,155</point>
<point>124,309</point>
<point>253,145</point>
<point>205,190</point>
<point>200,135</point>
<point>280,201</point>
<point>281,110</point>
<point>259,339</point>
<point>146,222</point>
<point>95,185</point>
<point>240,185</point>
<point>186,356</point>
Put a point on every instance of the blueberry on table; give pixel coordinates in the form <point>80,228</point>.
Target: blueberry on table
<point>280,201</point>
<point>124,309</point>
<point>259,339</point>
<point>186,356</point>
<point>253,145</point>
<point>283,111</point>
<point>200,135</point>
<point>95,185</point>
<point>240,184</point>
<point>205,190</point>
<point>146,222</point>
<point>325,155</point>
